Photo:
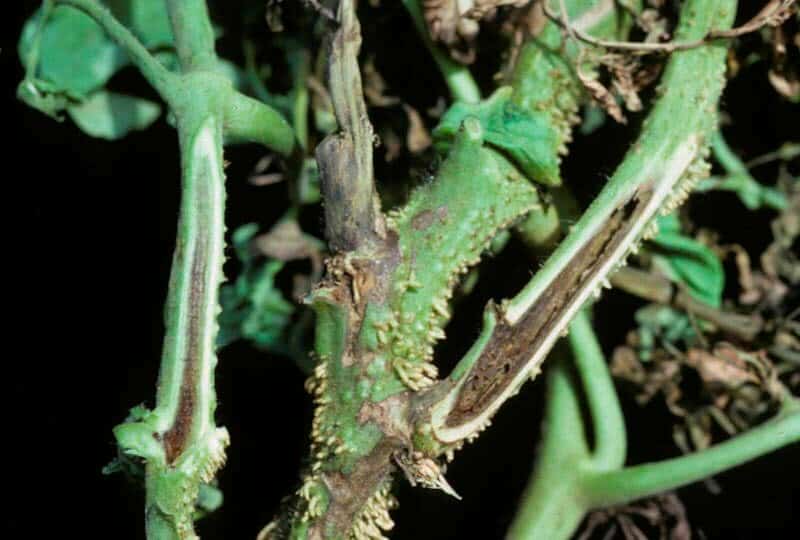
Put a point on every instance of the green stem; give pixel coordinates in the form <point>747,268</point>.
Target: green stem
<point>193,33</point>
<point>661,157</point>
<point>550,506</point>
<point>738,179</point>
<point>626,485</point>
<point>186,399</point>
<point>196,269</point>
<point>157,75</point>
<point>608,422</point>
<point>299,64</point>
<point>457,77</point>
<point>249,120</point>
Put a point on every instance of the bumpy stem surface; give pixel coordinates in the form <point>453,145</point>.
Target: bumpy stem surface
<point>656,174</point>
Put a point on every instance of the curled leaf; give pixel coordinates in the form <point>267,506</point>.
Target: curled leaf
<point>528,138</point>
<point>687,261</point>
<point>108,115</point>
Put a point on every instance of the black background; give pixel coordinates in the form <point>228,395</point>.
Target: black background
<point>90,253</point>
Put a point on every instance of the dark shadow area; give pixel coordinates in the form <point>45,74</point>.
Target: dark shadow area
<point>92,239</point>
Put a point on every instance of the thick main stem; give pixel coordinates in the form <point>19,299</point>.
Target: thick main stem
<point>192,445</point>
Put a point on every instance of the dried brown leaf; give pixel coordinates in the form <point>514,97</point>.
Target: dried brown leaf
<point>602,96</point>
<point>663,516</point>
<point>724,366</point>
<point>391,142</point>
<point>783,75</point>
<point>285,242</point>
<point>266,179</point>
<point>417,137</point>
<point>375,87</point>
<point>456,23</point>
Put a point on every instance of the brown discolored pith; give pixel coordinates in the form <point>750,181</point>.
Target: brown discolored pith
<point>176,438</point>
<point>510,347</point>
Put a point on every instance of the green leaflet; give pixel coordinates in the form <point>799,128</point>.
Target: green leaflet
<point>76,56</point>
<point>69,58</point>
<point>252,307</point>
<point>687,261</point>
<point>527,138</point>
<point>658,324</point>
<point>108,115</point>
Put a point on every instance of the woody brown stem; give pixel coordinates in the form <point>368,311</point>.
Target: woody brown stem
<point>352,208</point>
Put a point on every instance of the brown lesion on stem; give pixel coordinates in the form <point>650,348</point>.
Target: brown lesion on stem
<point>350,492</point>
<point>352,210</point>
<point>176,438</point>
<point>511,346</point>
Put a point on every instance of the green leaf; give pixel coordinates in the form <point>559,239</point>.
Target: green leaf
<point>687,261</point>
<point>44,97</point>
<point>209,499</point>
<point>74,58</point>
<point>253,308</point>
<point>594,117</point>
<point>108,115</point>
<point>308,182</point>
<point>527,138</point>
<point>147,19</point>
<point>658,324</point>
<point>75,55</point>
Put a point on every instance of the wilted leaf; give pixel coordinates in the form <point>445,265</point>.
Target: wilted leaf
<point>781,260</point>
<point>602,96</point>
<point>108,115</point>
<point>375,87</point>
<point>392,143</point>
<point>660,375</point>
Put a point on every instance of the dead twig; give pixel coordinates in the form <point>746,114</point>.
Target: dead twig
<point>773,14</point>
